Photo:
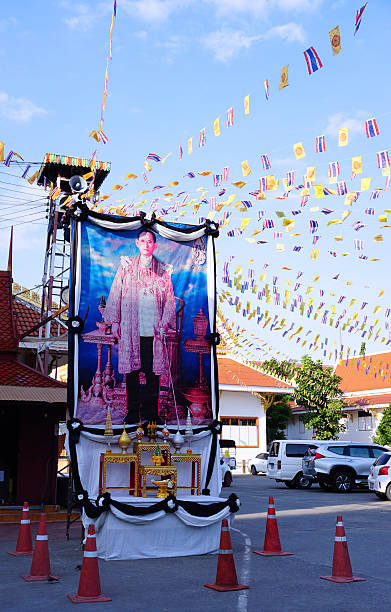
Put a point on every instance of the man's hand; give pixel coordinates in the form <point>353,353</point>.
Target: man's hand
<point>116,330</point>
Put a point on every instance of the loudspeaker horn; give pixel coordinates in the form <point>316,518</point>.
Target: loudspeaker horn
<point>78,184</point>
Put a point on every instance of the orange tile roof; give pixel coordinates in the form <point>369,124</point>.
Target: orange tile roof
<point>27,316</point>
<point>368,400</point>
<point>14,373</point>
<point>234,373</point>
<point>365,373</point>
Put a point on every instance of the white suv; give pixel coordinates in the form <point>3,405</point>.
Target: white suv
<point>341,465</point>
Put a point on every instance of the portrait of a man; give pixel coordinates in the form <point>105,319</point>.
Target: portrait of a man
<point>141,309</point>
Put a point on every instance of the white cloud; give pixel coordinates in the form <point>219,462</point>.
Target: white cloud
<point>290,32</point>
<point>261,8</point>
<point>84,16</point>
<point>153,10</point>
<point>18,109</point>
<point>226,43</point>
<point>354,122</point>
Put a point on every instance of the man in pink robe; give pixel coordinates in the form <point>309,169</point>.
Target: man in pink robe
<point>141,308</point>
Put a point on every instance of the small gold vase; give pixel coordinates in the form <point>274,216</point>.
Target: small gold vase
<point>124,441</point>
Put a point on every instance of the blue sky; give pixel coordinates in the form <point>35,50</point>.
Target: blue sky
<point>177,65</point>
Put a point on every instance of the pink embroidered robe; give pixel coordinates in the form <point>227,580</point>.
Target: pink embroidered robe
<point>123,307</point>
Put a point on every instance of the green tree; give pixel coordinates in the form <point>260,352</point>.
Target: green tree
<point>277,417</point>
<point>317,391</point>
<point>383,432</point>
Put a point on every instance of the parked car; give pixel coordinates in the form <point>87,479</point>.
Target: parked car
<point>285,462</point>
<point>341,465</point>
<point>258,463</point>
<point>379,479</point>
<point>225,473</point>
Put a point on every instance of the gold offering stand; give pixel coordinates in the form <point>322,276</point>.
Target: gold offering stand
<point>131,459</point>
<point>195,460</point>
<point>167,471</point>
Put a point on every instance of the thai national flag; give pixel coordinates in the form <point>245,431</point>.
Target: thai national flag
<point>383,160</point>
<point>190,175</point>
<point>359,18</point>
<point>222,192</point>
<point>26,170</point>
<point>375,194</point>
<point>326,211</point>
<point>266,84</point>
<point>268,224</point>
<point>313,226</point>
<point>371,128</point>
<point>333,253</point>
<point>212,203</point>
<point>369,211</point>
<point>246,203</point>
<point>341,188</point>
<point>202,140</point>
<point>358,225</point>
<point>180,152</point>
<point>358,245</point>
<point>320,144</point>
<point>265,162</point>
<point>388,182</point>
<point>217,180</point>
<point>278,235</point>
<point>145,177</point>
<point>313,60</point>
<point>103,138</point>
<point>226,173</point>
<point>263,183</point>
<point>230,117</point>
<point>327,191</point>
<point>154,157</point>
<point>7,161</point>
<point>290,176</point>
<point>334,169</point>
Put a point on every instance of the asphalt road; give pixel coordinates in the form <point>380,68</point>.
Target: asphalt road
<point>306,522</point>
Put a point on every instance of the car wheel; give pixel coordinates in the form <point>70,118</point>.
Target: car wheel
<point>382,496</point>
<point>388,492</point>
<point>227,479</point>
<point>253,470</point>
<point>302,482</point>
<point>291,484</point>
<point>342,481</point>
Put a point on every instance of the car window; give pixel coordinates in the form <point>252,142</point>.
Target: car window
<point>338,450</point>
<point>359,451</point>
<point>274,449</point>
<point>377,452</point>
<point>382,459</point>
<point>296,450</point>
<point>260,456</point>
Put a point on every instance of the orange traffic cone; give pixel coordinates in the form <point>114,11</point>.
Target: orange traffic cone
<point>271,546</point>
<point>40,565</point>
<point>24,546</point>
<point>226,579</point>
<point>342,569</point>
<point>89,584</point>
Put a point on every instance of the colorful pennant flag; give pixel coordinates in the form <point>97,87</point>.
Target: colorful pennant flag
<point>359,18</point>
<point>341,188</point>
<point>202,140</point>
<point>284,77</point>
<point>333,169</point>
<point>246,170</point>
<point>265,162</point>
<point>371,128</point>
<point>298,150</point>
<point>313,60</point>
<point>356,165</point>
<point>383,160</point>
<point>230,117</point>
<point>266,85</point>
<point>320,145</point>
<point>343,137</point>
<point>335,40</point>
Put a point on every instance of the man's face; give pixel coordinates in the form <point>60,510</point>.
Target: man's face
<point>146,244</point>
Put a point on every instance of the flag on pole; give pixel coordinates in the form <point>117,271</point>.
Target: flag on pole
<point>230,117</point>
<point>265,162</point>
<point>359,18</point>
<point>320,145</point>
<point>313,60</point>
<point>335,40</point>
<point>266,84</point>
<point>284,77</point>
<point>383,160</point>
<point>343,137</point>
<point>371,128</point>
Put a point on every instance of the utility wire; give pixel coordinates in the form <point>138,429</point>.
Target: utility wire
<point>19,216</point>
<point>23,222</point>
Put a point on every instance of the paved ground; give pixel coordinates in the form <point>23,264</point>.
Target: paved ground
<point>306,521</point>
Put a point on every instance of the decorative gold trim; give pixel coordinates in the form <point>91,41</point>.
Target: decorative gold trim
<point>162,470</point>
<point>121,458</point>
<point>194,459</point>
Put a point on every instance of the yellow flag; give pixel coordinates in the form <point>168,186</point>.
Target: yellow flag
<point>204,173</point>
<point>365,184</point>
<point>270,181</point>
<point>1,151</point>
<point>131,176</point>
<point>173,183</point>
<point>378,238</point>
<point>190,146</point>
<point>376,309</point>
<point>314,253</point>
<point>230,199</point>
<point>88,175</point>
<point>284,77</point>
<point>382,218</point>
<point>32,178</point>
<point>381,293</point>
<point>335,40</point>
<point>343,137</point>
<point>147,166</point>
<point>94,134</point>
<point>345,214</point>
<point>298,150</point>
<point>356,165</point>
<point>165,157</point>
<point>216,127</point>
<point>319,193</point>
<point>311,173</point>
<point>244,223</point>
<point>385,171</point>
<point>280,247</point>
<point>211,214</point>
<point>349,198</point>
<point>239,184</point>
<point>247,105</point>
<point>246,168</point>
